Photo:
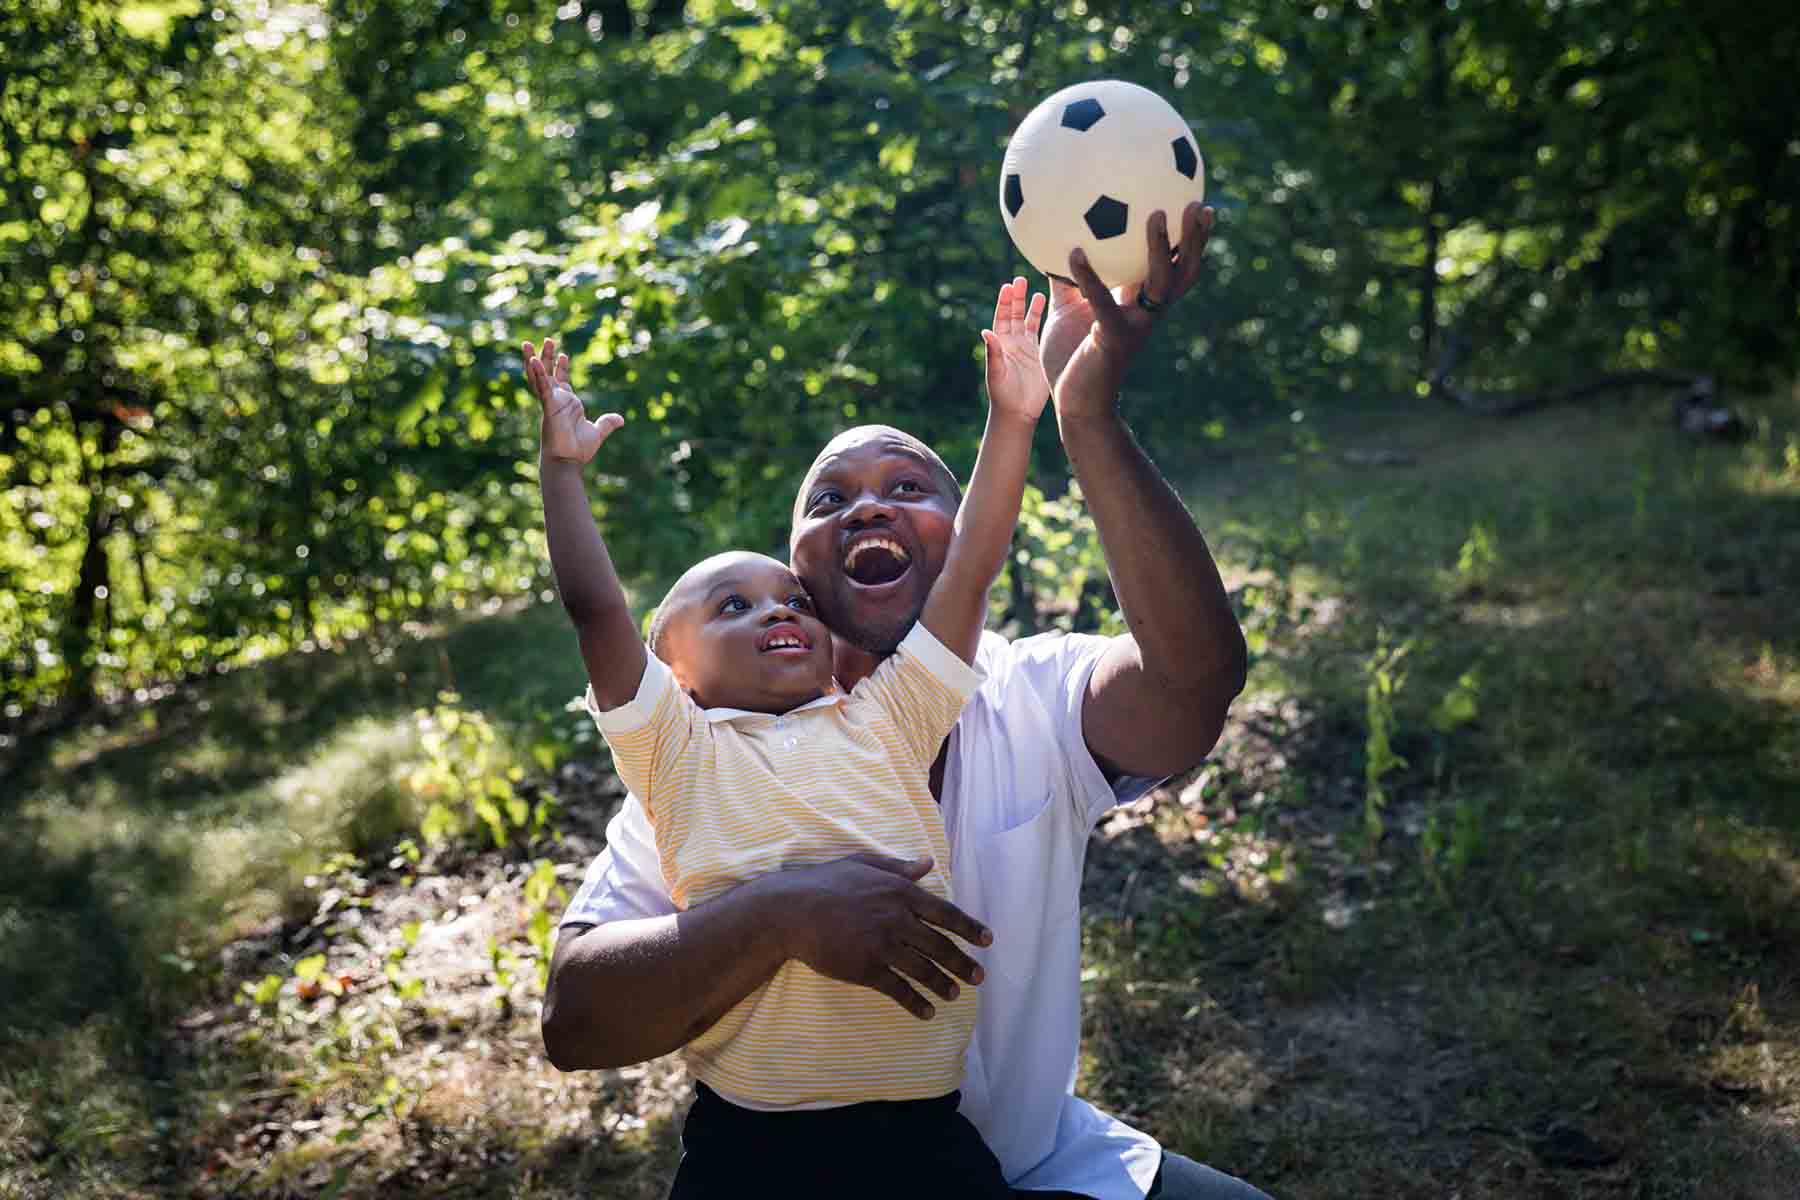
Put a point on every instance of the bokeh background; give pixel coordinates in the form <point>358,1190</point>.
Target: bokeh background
<point>1486,403</point>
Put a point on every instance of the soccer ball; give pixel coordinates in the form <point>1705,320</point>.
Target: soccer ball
<point>1087,167</point>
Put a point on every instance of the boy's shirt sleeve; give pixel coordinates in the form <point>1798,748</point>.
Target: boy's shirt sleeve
<point>651,733</point>
<point>922,687</point>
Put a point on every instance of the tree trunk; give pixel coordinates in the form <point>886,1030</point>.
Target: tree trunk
<point>78,632</point>
<point>615,18</point>
<point>1438,81</point>
<point>664,15</point>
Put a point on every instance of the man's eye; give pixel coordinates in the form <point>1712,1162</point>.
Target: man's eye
<point>909,486</point>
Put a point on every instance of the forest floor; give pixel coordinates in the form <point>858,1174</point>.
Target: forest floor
<point>1561,956</point>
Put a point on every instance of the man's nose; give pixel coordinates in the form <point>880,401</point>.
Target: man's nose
<point>867,509</point>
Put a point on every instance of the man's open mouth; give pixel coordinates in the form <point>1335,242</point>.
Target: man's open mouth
<point>876,560</point>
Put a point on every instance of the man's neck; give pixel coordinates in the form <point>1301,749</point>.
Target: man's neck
<point>852,664</point>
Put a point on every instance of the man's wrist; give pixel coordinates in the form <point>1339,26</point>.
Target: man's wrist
<point>776,904</point>
<point>1082,415</point>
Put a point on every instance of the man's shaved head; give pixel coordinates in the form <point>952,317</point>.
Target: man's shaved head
<point>897,439</point>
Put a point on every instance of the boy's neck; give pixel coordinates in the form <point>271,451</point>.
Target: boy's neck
<point>851,664</point>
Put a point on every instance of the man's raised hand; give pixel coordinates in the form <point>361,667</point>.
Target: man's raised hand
<point>567,433</point>
<point>1093,333</point>
<point>1015,376</point>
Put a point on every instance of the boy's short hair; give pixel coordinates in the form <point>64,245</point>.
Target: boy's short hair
<point>659,620</point>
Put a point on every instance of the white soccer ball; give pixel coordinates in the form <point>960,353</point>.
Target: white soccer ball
<point>1087,167</point>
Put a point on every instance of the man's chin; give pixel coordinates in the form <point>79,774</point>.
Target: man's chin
<point>881,638</point>
<point>875,624</point>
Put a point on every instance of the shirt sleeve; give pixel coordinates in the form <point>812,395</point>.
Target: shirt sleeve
<point>1058,667</point>
<point>652,732</point>
<point>624,881</point>
<point>922,688</point>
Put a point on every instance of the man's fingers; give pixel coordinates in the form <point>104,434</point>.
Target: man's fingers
<point>903,994</point>
<point>942,951</point>
<point>908,868</point>
<point>1062,291</point>
<point>947,916</point>
<point>925,973</point>
<point>562,369</point>
<point>1098,296</point>
<point>1196,230</point>
<point>1156,232</point>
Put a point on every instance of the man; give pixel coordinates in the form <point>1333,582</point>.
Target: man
<point>1063,729</point>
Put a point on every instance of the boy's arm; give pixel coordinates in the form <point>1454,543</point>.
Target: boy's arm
<point>956,609</point>
<point>585,578</point>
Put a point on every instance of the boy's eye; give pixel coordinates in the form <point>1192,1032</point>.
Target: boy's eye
<point>800,603</point>
<point>908,485</point>
<point>824,499</point>
<point>734,603</point>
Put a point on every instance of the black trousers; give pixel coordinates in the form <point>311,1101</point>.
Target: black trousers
<point>880,1148</point>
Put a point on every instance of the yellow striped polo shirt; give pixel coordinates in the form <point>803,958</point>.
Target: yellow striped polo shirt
<point>733,795</point>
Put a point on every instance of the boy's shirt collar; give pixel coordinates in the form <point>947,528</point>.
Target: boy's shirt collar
<point>716,715</point>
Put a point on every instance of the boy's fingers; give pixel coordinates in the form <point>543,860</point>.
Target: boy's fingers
<point>1034,316</point>
<point>562,368</point>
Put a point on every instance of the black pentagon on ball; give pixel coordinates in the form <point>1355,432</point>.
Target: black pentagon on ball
<point>1185,159</point>
<point>1015,195</point>
<point>1081,115</point>
<point>1106,218</point>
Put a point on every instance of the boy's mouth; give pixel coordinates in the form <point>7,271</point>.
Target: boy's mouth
<point>785,638</point>
<point>876,560</point>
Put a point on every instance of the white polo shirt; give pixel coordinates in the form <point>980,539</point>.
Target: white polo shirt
<point>1021,795</point>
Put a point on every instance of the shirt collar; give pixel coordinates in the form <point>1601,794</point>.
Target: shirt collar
<point>716,715</point>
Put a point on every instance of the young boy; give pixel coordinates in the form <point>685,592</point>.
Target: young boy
<point>748,758</point>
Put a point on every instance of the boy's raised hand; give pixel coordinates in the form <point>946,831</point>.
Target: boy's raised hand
<point>567,432</point>
<point>1016,382</point>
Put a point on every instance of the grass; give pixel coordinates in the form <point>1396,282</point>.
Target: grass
<point>1571,965</point>
<point>1568,965</point>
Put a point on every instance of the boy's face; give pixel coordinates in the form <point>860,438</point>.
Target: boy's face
<point>872,527</point>
<point>744,635</point>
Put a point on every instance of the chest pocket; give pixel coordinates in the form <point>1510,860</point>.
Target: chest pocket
<point>1031,881</point>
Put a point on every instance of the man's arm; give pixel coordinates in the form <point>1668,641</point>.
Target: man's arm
<point>585,578</point>
<point>1157,700</point>
<point>956,609</point>
<point>630,990</point>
